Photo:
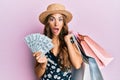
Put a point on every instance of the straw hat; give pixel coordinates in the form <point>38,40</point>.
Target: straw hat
<point>55,8</point>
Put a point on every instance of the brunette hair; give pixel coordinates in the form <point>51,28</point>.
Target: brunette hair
<point>63,57</point>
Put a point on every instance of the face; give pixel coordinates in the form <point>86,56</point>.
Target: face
<point>56,23</point>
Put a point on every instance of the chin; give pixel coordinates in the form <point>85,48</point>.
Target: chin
<point>56,34</point>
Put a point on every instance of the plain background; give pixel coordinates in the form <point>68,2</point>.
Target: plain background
<point>100,19</point>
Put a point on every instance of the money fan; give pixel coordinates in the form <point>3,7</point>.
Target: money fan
<point>39,42</point>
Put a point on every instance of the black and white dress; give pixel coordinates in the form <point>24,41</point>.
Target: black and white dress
<point>53,70</point>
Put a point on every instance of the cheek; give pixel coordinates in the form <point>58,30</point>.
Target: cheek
<point>61,25</point>
<point>51,25</point>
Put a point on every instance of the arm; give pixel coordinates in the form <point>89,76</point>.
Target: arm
<point>39,70</point>
<point>40,65</point>
<point>74,54</point>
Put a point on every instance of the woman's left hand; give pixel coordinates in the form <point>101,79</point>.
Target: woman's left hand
<point>68,37</point>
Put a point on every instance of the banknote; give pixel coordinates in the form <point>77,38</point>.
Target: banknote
<point>39,42</point>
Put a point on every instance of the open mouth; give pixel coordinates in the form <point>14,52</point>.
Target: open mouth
<point>55,30</point>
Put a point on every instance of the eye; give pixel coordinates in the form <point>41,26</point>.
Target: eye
<point>51,19</point>
<point>60,19</point>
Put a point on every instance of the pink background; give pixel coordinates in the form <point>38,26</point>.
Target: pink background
<point>100,19</point>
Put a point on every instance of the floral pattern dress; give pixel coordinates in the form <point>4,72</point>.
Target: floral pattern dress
<point>53,70</point>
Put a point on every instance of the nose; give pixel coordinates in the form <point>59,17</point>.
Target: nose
<point>56,22</point>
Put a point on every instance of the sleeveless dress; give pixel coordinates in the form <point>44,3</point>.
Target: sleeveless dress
<point>53,70</point>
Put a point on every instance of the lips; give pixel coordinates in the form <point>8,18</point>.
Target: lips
<point>55,30</point>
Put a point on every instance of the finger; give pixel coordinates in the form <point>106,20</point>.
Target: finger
<point>42,60</point>
<point>38,57</point>
<point>33,54</point>
<point>36,54</point>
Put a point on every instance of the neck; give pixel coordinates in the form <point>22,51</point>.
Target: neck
<point>55,39</point>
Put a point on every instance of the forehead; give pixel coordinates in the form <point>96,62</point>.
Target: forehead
<point>57,15</point>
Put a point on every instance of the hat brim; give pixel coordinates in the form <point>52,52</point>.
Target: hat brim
<point>43,15</point>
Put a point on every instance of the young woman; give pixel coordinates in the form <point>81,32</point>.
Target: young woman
<point>64,55</point>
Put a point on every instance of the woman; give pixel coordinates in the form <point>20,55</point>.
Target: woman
<point>64,55</point>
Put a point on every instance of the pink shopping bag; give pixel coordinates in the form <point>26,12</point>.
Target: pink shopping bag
<point>94,50</point>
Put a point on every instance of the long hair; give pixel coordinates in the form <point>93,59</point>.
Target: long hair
<point>63,57</point>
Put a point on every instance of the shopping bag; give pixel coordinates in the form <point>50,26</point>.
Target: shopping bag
<point>86,75</point>
<point>91,53</point>
<point>78,74</point>
<point>83,73</point>
<point>91,69</point>
<point>94,50</point>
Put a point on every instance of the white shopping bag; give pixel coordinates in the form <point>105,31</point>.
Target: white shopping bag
<point>86,73</point>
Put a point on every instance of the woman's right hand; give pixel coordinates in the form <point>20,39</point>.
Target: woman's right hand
<point>40,59</point>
